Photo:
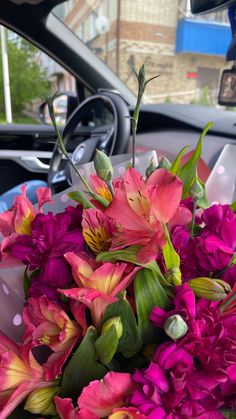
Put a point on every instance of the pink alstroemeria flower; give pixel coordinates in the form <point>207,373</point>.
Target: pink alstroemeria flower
<point>100,187</point>
<point>17,220</point>
<point>127,413</point>
<point>102,396</point>
<point>19,217</point>
<point>20,374</point>
<point>98,230</point>
<point>97,288</point>
<point>49,325</point>
<point>140,208</point>
<point>66,410</point>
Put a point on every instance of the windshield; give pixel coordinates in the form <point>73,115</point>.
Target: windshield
<point>187,51</point>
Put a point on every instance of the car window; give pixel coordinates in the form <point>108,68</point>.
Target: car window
<point>187,51</point>
<point>32,77</point>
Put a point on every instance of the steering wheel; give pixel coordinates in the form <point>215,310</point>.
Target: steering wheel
<point>112,138</point>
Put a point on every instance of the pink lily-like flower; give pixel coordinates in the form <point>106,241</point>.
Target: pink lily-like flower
<point>97,288</point>
<point>66,410</point>
<point>20,374</point>
<point>98,230</point>
<point>17,220</point>
<point>102,396</point>
<point>140,208</point>
<point>48,324</point>
<point>19,217</point>
<point>127,412</point>
<point>100,187</point>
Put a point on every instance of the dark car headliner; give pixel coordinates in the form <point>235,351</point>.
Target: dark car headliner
<point>30,21</point>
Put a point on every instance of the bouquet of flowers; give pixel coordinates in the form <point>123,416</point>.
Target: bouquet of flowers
<point>130,308</point>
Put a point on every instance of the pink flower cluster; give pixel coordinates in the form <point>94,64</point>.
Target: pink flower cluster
<point>211,251</point>
<point>79,297</point>
<point>196,375</point>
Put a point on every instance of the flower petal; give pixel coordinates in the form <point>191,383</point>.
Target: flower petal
<point>102,396</point>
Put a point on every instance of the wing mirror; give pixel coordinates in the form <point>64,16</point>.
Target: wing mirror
<point>206,6</point>
<point>64,104</point>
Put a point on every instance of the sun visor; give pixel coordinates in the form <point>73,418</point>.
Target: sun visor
<point>206,6</point>
<point>231,53</point>
<point>34,2</point>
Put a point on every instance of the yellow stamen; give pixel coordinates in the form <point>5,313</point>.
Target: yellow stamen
<point>97,239</point>
<point>25,226</point>
<point>105,193</point>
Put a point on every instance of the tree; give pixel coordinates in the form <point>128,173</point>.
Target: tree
<point>28,80</point>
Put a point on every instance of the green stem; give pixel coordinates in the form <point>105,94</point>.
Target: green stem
<point>110,187</point>
<point>195,202</point>
<point>61,144</point>
<point>134,125</point>
<point>133,143</point>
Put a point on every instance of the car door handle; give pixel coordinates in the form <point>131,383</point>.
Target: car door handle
<point>30,160</point>
<point>33,164</point>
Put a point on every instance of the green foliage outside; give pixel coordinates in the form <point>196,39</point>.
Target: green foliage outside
<point>18,119</point>
<point>27,80</point>
<point>204,98</point>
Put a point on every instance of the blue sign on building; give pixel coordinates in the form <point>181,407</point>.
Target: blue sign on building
<point>202,37</point>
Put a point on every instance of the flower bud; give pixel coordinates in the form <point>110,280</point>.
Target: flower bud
<point>173,276</point>
<point>142,76</point>
<point>164,163</point>
<point>113,321</point>
<point>175,327</point>
<point>40,401</point>
<point>209,288</point>
<point>196,191</point>
<point>151,168</point>
<point>103,166</point>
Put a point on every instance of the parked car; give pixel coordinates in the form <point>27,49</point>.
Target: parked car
<point>97,111</point>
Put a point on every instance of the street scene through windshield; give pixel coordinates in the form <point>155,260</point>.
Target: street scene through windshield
<point>187,51</point>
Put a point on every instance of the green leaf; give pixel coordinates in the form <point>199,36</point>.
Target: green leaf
<point>175,167</point>
<point>83,367</point>
<point>148,294</point>
<point>171,257</point>
<point>233,206</point>
<point>130,342</point>
<point>188,172</point>
<point>106,345</point>
<point>229,414</point>
<point>130,255</point>
<point>26,281</point>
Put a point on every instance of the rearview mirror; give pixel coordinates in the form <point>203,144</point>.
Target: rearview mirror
<point>227,94</point>
<point>64,104</point>
<point>204,6</point>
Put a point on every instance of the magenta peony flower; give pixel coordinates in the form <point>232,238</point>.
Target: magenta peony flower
<point>51,237</point>
<point>217,214</point>
<point>172,387</point>
<point>211,251</point>
<point>211,338</point>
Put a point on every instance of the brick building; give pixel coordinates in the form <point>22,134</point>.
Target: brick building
<point>188,52</point>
